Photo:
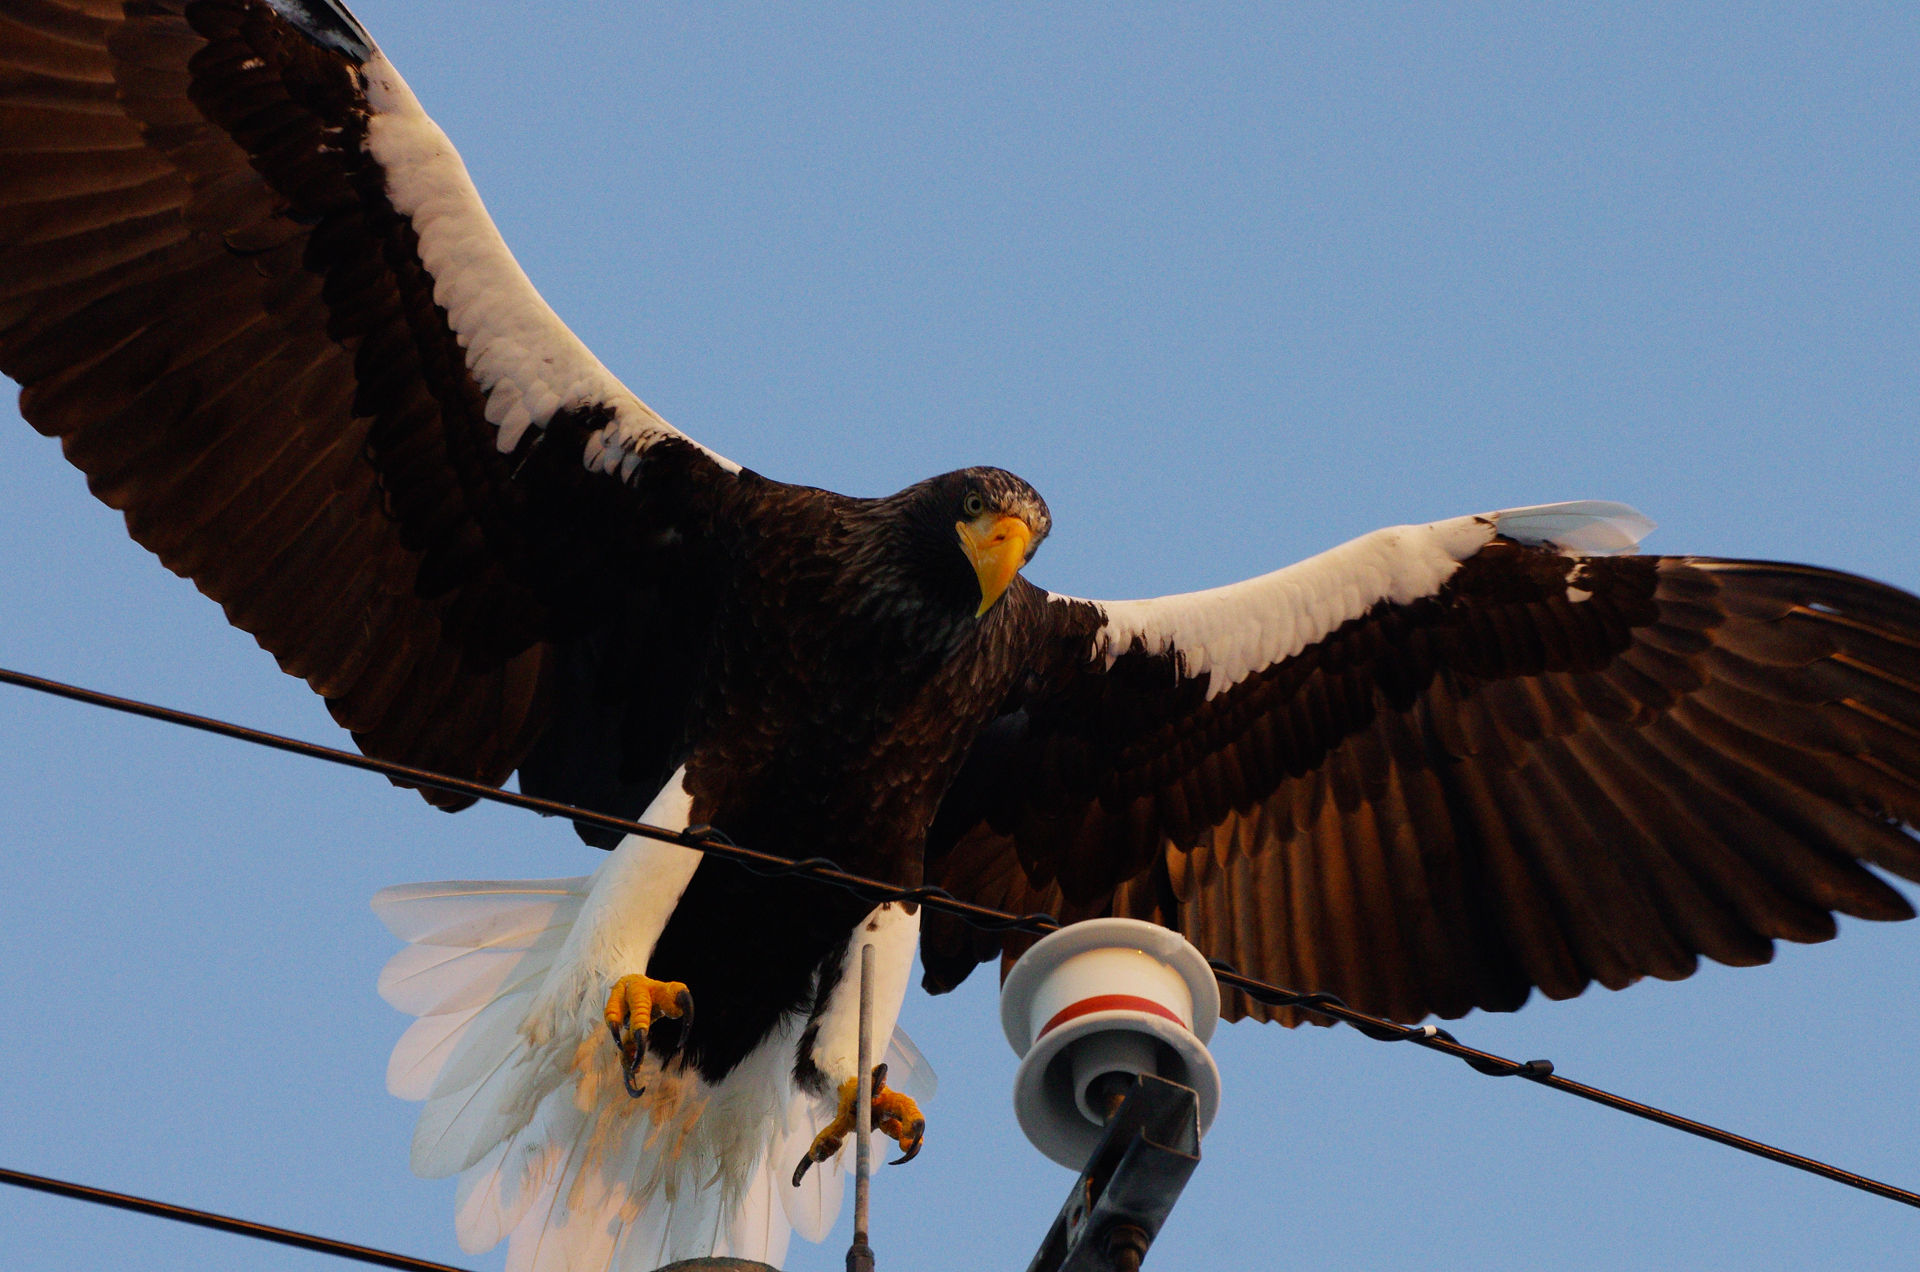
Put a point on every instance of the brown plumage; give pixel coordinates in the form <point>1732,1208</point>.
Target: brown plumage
<point>1442,805</point>
<point>1541,769</point>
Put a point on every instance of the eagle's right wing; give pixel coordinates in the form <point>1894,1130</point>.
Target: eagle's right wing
<point>1440,766</point>
<point>248,284</point>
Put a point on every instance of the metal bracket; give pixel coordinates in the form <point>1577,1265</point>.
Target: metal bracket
<point>1130,1184</point>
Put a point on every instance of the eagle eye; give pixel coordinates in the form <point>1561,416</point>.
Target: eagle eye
<point>973,505</point>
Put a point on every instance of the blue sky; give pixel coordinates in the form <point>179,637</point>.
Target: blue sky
<point>1228,284</point>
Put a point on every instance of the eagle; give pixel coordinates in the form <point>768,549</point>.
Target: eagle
<point>248,284</point>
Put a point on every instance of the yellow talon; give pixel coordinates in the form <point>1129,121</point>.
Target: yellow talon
<point>634,1006</point>
<point>894,1115</point>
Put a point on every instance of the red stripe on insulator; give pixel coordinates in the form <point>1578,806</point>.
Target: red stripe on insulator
<point>1106,1002</point>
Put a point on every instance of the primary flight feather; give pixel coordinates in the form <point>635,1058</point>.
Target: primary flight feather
<point>247,283</point>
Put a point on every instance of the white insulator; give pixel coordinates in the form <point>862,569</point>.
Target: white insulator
<point>1103,997</point>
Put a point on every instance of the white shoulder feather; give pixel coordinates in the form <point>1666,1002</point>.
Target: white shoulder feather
<point>1233,631</point>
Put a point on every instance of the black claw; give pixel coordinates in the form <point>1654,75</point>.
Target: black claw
<point>919,1136</point>
<point>800,1171</point>
<point>685,1003</point>
<point>633,1050</point>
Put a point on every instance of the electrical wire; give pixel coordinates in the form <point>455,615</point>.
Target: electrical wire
<point>222,1223</point>
<point>710,840</point>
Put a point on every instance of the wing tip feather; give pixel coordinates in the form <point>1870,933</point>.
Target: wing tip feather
<point>328,24</point>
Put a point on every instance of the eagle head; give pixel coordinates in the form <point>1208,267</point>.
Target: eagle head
<point>956,543</point>
<point>998,521</point>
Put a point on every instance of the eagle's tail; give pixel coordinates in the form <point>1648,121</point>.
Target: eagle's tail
<point>551,1152</point>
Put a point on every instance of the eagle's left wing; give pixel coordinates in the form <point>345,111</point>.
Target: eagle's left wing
<point>1441,765</point>
<point>247,283</point>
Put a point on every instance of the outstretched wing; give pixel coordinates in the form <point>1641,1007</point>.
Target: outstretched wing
<point>1442,765</point>
<point>248,284</point>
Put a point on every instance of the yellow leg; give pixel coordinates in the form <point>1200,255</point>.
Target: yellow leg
<point>894,1115</point>
<point>636,1004</point>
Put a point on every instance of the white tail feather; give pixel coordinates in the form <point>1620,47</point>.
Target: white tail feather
<point>760,1226</point>
<point>475,945</point>
<point>815,1204</point>
<point>427,980</point>
<point>908,1070</point>
<point>480,1204</point>
<point>473,914</point>
<point>489,1090</point>
<point>528,1107</point>
<point>496,1191</point>
<point>566,1227</point>
<point>422,1053</point>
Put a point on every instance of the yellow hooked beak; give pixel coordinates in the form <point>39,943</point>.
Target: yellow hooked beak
<point>997,545</point>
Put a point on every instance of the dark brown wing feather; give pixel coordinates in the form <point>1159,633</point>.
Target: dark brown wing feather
<point>1443,805</point>
<point>207,297</point>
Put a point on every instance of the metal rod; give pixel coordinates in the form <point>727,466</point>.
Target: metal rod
<point>860,1253</point>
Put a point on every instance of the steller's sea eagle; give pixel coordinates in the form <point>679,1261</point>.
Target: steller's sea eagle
<point>248,284</point>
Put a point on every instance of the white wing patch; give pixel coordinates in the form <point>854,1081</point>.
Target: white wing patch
<point>1231,632</point>
<point>518,351</point>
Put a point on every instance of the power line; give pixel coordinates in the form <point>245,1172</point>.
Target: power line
<point>709,840</point>
<point>222,1223</point>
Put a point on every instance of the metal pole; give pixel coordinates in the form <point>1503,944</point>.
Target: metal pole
<point>860,1254</point>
